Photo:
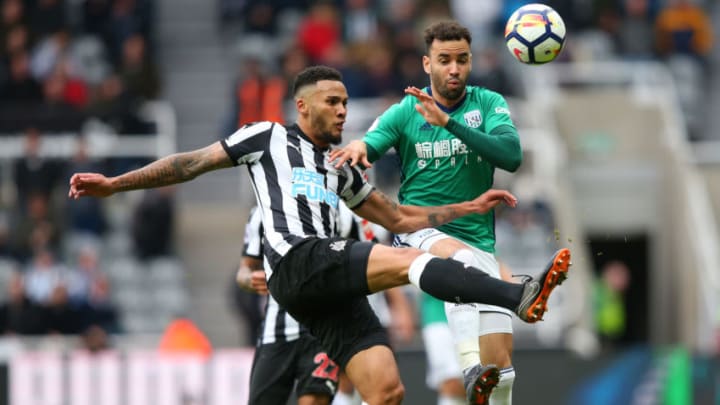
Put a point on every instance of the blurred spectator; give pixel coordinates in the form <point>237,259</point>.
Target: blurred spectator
<point>13,15</point>
<point>42,275</point>
<point>481,17</point>
<point>489,71</point>
<point>410,70</point>
<point>17,41</point>
<point>153,223</point>
<point>33,173</point>
<point>83,278</point>
<point>635,32</point>
<point>292,61</point>
<point>96,19</point>
<point>360,21</point>
<point>85,216</point>
<point>36,228</point>
<point>47,17</point>
<point>609,301</point>
<point>683,28</point>
<point>127,18</point>
<point>381,74</point>
<point>19,315</point>
<point>62,317</point>
<point>114,106</point>
<point>138,71</point>
<point>21,86</point>
<point>319,31</point>
<point>258,95</point>
<point>48,52</point>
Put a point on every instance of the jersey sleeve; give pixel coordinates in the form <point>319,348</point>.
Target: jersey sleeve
<point>385,131</point>
<point>248,143</point>
<point>356,189</point>
<point>497,113</point>
<point>252,245</point>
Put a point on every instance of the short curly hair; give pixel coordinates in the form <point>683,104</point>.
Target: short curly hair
<point>446,31</point>
<point>314,74</point>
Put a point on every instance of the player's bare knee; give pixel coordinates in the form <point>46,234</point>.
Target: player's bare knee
<point>465,255</point>
<point>391,394</point>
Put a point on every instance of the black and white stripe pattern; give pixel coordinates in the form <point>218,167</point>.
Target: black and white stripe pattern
<point>278,325</point>
<point>297,188</point>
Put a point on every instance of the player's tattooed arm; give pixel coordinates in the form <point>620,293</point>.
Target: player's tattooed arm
<point>176,168</point>
<point>397,218</point>
<point>172,169</point>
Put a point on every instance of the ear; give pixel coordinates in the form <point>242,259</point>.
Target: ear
<point>300,105</point>
<point>426,64</point>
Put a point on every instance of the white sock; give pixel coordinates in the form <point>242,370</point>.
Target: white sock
<point>502,394</point>
<point>464,320</point>
<point>342,398</point>
<point>444,400</point>
<point>417,267</point>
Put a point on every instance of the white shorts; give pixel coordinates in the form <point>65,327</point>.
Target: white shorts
<point>425,238</point>
<point>443,363</point>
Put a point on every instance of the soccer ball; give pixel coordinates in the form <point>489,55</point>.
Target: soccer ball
<point>535,34</point>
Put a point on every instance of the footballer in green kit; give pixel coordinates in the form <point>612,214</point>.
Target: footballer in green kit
<point>450,137</point>
<point>439,167</point>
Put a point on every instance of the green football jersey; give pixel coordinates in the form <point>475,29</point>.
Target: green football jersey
<point>438,168</point>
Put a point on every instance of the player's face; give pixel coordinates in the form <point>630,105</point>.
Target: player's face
<point>448,64</point>
<point>327,111</point>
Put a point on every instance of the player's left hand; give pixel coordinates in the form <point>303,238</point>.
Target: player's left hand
<point>491,198</point>
<point>428,108</point>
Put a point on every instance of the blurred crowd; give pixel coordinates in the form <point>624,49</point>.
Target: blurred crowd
<point>63,63</point>
<point>377,44</point>
<point>71,67</point>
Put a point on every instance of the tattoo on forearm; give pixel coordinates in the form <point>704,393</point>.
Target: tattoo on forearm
<point>441,216</point>
<point>172,169</point>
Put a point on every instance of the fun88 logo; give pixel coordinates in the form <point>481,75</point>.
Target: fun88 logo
<point>312,186</point>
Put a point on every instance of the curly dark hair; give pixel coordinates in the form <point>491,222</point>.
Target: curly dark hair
<point>446,31</point>
<point>314,74</point>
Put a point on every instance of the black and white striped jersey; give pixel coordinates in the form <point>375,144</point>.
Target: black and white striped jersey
<point>298,190</point>
<point>278,325</point>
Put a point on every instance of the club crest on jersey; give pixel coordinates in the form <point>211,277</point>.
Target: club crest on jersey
<point>473,119</point>
<point>338,245</point>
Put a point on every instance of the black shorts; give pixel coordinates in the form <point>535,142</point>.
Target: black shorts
<point>322,283</point>
<point>277,367</point>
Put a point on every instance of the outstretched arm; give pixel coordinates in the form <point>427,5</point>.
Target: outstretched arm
<point>176,168</point>
<point>382,210</point>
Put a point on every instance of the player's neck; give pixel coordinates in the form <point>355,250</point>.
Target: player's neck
<point>307,130</point>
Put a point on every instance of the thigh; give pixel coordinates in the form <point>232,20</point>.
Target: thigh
<point>317,374</point>
<point>319,273</point>
<point>272,378</point>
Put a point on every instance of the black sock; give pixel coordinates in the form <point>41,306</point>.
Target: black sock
<point>449,280</point>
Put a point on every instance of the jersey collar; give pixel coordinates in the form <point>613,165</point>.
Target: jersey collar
<point>307,138</point>
<point>449,109</point>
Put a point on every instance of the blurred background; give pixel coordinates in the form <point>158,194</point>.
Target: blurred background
<point>622,165</point>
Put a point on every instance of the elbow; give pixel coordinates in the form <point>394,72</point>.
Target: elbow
<point>514,164</point>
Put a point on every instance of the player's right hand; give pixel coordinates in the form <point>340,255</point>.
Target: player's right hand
<point>355,152</point>
<point>252,280</point>
<point>89,184</point>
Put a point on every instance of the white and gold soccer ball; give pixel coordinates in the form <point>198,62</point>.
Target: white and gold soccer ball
<point>535,34</point>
